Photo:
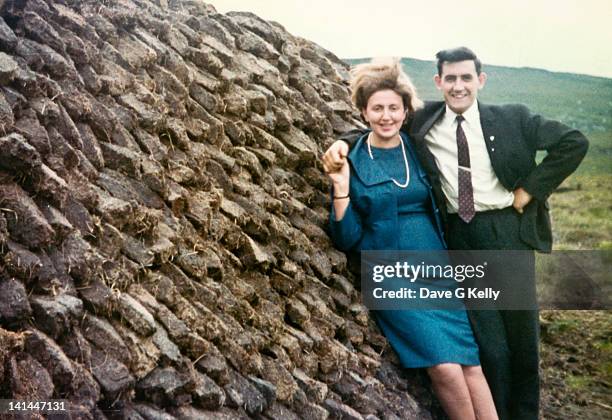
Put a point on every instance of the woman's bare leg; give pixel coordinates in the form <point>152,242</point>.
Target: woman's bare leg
<point>482,400</point>
<point>451,388</point>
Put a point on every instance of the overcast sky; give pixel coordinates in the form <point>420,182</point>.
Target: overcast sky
<point>559,35</point>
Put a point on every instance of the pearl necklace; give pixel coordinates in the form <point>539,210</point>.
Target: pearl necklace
<point>404,185</point>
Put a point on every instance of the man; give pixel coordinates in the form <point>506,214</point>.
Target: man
<point>492,195</point>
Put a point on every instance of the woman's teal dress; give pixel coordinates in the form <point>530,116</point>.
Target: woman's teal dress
<point>421,338</point>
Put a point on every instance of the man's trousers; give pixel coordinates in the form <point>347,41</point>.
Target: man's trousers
<point>508,339</point>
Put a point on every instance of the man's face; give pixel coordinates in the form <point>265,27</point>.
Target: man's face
<point>459,84</point>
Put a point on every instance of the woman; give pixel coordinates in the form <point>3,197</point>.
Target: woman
<point>382,201</point>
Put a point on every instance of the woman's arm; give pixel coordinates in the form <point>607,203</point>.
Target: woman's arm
<point>345,223</point>
<point>346,232</point>
<point>341,187</point>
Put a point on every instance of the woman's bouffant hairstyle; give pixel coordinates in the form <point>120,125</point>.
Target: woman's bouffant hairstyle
<point>381,74</point>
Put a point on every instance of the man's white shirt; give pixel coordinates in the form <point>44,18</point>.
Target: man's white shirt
<point>489,193</point>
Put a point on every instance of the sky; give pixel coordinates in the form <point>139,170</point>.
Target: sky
<point>558,35</point>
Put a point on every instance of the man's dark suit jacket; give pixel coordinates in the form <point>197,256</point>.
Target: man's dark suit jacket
<point>513,135</point>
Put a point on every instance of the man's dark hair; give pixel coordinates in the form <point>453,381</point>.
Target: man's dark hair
<point>454,55</point>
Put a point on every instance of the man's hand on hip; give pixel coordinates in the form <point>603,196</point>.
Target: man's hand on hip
<point>521,199</point>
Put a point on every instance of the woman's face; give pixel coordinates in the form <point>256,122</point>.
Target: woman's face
<point>385,113</point>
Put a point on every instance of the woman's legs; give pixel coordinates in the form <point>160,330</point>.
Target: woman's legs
<point>451,388</point>
<point>462,391</point>
<point>482,400</point>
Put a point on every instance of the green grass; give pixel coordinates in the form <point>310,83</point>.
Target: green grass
<point>604,346</point>
<point>562,326</point>
<point>582,212</point>
<point>598,160</point>
<point>578,382</point>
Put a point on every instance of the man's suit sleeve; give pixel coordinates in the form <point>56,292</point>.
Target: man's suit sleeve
<point>352,136</point>
<point>565,146</point>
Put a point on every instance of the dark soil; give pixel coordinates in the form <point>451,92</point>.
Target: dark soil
<point>576,363</point>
